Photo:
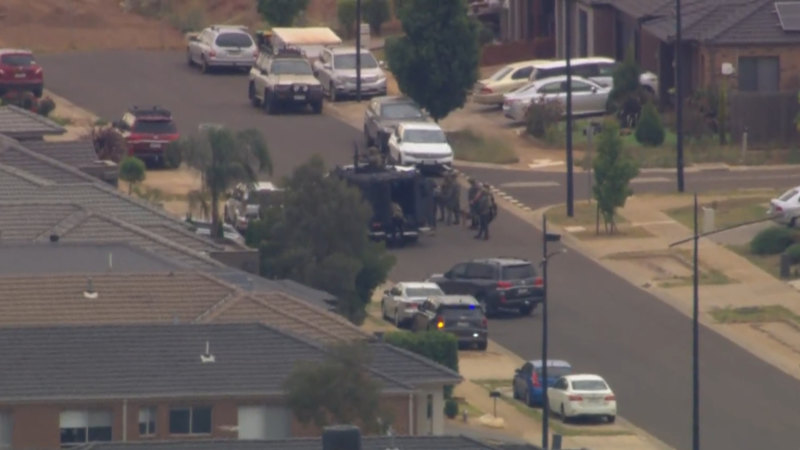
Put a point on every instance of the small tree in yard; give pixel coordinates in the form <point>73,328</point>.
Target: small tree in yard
<point>436,62</point>
<point>131,171</point>
<point>541,115</point>
<point>613,171</point>
<point>281,13</point>
<point>338,389</point>
<point>650,130</point>
<point>346,14</point>
<point>627,96</point>
<point>377,12</point>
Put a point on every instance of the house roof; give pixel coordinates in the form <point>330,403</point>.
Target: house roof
<point>19,123</point>
<point>72,153</point>
<point>95,362</point>
<point>14,154</point>
<point>65,257</point>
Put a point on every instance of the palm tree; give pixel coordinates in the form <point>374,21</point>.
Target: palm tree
<point>225,158</point>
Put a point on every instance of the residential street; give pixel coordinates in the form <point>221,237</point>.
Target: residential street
<point>599,322</point>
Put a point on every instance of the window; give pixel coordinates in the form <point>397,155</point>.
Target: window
<point>6,429</point>
<point>81,426</point>
<point>523,73</point>
<point>400,111</point>
<point>291,67</point>
<point>759,74</point>
<point>423,292</point>
<point>500,74</point>
<point>551,88</point>
<point>234,40</point>
<point>541,74</point>
<point>606,69</point>
<point>17,59</point>
<point>480,271</point>
<point>580,86</point>
<point>555,371</point>
<point>458,271</point>
<point>190,420</point>
<point>788,195</point>
<point>425,136</point>
<point>147,421</point>
<point>349,61</point>
<point>155,127</point>
<point>518,272</point>
<point>585,70</point>
<point>589,385</point>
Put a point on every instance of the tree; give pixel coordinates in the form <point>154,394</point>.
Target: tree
<point>225,158</point>
<point>627,96</point>
<point>436,62</point>
<point>613,171</point>
<point>319,237</point>
<point>338,389</point>
<point>377,12</point>
<point>132,171</point>
<point>346,13</point>
<point>281,13</point>
<point>650,130</point>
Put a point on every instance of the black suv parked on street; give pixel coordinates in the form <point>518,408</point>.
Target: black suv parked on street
<point>459,315</point>
<point>497,283</point>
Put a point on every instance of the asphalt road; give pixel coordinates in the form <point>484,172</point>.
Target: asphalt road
<point>598,321</point>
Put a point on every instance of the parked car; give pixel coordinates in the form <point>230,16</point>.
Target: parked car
<point>786,209</point>
<point>336,70</point>
<point>384,114</point>
<point>497,283</point>
<point>245,202</point>
<point>459,315</point>
<point>597,68</point>
<point>588,97</point>
<point>528,385</point>
<point>421,144</point>
<point>20,71</point>
<point>147,130</point>
<point>222,46</point>
<point>203,228</point>
<point>489,91</point>
<point>582,395</point>
<point>283,79</point>
<point>401,301</point>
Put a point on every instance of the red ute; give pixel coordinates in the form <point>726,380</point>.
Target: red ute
<point>19,71</point>
<point>148,131</point>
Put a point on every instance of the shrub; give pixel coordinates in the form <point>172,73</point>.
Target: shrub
<point>793,253</point>
<point>346,13</point>
<point>22,99</point>
<point>108,144</point>
<point>376,13</point>
<point>46,106</point>
<point>541,115</point>
<point>771,241</point>
<point>434,345</point>
<point>173,156</point>
<point>650,130</point>
<point>486,34</point>
<point>132,171</point>
<point>451,408</point>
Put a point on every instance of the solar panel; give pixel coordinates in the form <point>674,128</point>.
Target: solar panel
<point>789,15</point>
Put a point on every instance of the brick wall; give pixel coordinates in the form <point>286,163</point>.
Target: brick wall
<point>604,27</point>
<point>539,48</point>
<point>713,57</point>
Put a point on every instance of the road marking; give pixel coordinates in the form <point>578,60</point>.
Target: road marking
<point>650,180</point>
<point>539,163</point>
<point>575,229</point>
<point>529,184</point>
<point>654,222</point>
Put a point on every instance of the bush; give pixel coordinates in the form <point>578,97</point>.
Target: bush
<point>541,115</point>
<point>22,99</point>
<point>793,253</point>
<point>450,408</point>
<point>772,241</point>
<point>486,34</point>
<point>650,130</point>
<point>434,345</point>
<point>46,106</point>
<point>376,13</point>
<point>346,13</point>
<point>173,156</point>
<point>108,144</point>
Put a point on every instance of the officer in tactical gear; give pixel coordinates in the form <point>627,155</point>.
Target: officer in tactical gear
<point>485,210</point>
<point>472,196</point>
<point>453,200</point>
<point>398,220</point>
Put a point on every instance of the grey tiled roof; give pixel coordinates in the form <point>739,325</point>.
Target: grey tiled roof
<point>16,183</point>
<point>14,154</point>
<point>73,153</point>
<point>22,124</point>
<point>79,362</point>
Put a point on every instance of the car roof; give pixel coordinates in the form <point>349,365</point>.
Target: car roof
<point>502,261</point>
<point>149,110</point>
<point>417,284</point>
<point>454,299</point>
<point>224,27</point>
<point>347,49</point>
<point>419,126</point>
<point>15,51</point>
<point>518,64</point>
<point>551,363</point>
<point>394,99</point>
<point>584,377</point>
<point>560,78</point>
<point>574,61</point>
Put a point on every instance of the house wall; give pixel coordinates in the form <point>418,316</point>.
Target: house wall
<point>435,424</point>
<point>604,31</point>
<point>713,57</point>
<point>649,51</point>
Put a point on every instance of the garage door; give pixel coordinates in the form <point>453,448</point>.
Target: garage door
<point>264,422</point>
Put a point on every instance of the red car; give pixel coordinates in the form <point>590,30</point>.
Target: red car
<point>148,131</point>
<point>19,71</point>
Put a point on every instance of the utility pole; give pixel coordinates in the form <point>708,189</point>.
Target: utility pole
<point>695,338</point>
<point>546,237</point>
<point>679,95</point>
<point>568,45</point>
<point>358,50</point>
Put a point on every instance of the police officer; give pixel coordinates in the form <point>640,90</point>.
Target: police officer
<point>454,199</point>
<point>484,206</point>
<point>398,220</point>
<point>444,196</point>
<point>472,196</point>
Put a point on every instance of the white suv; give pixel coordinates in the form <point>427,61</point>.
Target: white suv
<point>222,46</point>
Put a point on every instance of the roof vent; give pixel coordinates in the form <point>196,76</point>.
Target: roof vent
<point>207,357</point>
<point>54,237</point>
<point>90,293</point>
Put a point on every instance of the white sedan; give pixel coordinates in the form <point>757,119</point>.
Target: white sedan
<point>400,303</point>
<point>588,97</point>
<point>420,144</point>
<point>581,395</point>
<point>786,209</point>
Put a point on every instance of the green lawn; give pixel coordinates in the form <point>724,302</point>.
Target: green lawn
<point>470,146</point>
<point>768,263</point>
<point>756,314</point>
<point>728,212</point>
<point>585,215</point>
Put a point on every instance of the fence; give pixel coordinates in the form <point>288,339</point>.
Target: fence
<point>539,48</point>
<point>768,117</point>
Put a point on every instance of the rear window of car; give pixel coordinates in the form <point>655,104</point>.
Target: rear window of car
<point>400,111</point>
<point>549,73</point>
<point>155,127</point>
<point>500,74</point>
<point>456,311</point>
<point>518,272</point>
<point>788,195</point>
<point>589,385</point>
<point>17,59</point>
<point>234,40</point>
<point>423,292</point>
<point>555,372</point>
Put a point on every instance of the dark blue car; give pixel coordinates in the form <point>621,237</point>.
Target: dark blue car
<point>528,379</point>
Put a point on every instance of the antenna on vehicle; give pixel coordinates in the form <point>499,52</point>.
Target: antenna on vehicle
<point>207,357</point>
<point>90,293</point>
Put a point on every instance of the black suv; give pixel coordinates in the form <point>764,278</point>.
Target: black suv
<point>497,283</point>
<point>460,315</point>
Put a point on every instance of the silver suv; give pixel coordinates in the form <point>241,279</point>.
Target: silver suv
<point>284,79</point>
<point>336,70</point>
<point>222,46</point>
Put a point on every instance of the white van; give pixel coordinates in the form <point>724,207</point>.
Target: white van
<point>598,69</point>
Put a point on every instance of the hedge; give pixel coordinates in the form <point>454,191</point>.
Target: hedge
<point>772,241</point>
<point>434,345</point>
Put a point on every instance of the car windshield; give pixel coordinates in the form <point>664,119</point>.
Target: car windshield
<point>155,127</point>
<point>400,111</point>
<point>425,136</point>
<point>423,292</point>
<point>518,272</point>
<point>788,195</point>
<point>500,74</point>
<point>17,59</point>
<point>349,61</point>
<point>291,67</point>
<point>234,40</point>
<point>589,385</point>
<point>555,372</point>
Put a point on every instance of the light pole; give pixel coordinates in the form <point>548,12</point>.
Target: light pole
<point>568,45</point>
<point>358,50</point>
<point>678,96</point>
<point>546,237</point>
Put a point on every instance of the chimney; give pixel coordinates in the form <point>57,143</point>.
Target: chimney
<point>90,293</point>
<point>341,437</point>
<point>207,357</point>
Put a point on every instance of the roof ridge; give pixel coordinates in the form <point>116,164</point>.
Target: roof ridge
<point>304,304</point>
<point>78,217</point>
<point>306,322</point>
<point>218,308</point>
<point>755,6</point>
<point>420,358</point>
<point>27,176</point>
<point>19,146</point>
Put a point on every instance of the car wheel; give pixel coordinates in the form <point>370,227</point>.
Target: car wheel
<point>37,92</point>
<point>189,60</point>
<point>527,310</point>
<point>317,107</point>
<point>367,139</point>
<point>332,92</point>
<point>793,222</point>
<point>564,417</point>
<point>204,65</point>
<point>270,105</point>
<point>529,398</point>
<point>487,311</point>
<point>611,419</point>
<point>514,392</point>
<point>482,345</point>
<point>251,94</point>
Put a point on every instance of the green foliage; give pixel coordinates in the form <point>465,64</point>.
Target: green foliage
<point>436,61</point>
<point>108,144</point>
<point>541,116</point>
<point>722,113</point>
<point>627,96</point>
<point>281,13</point>
<point>434,345</point>
<point>650,130</point>
<point>613,171</point>
<point>376,13</point>
<point>46,106</point>
<point>793,253</point>
<point>346,13</point>
<point>132,171</point>
<point>319,237</point>
<point>450,408</point>
<point>486,34</point>
<point>173,156</point>
<point>338,389</point>
<point>771,241</point>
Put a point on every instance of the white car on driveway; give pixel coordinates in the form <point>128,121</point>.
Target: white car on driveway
<point>400,302</point>
<point>588,97</point>
<point>222,46</point>
<point>422,144</point>
<point>581,395</point>
<point>786,209</point>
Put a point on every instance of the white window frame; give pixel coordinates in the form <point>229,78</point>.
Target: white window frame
<point>148,415</point>
<point>191,420</point>
<point>87,419</point>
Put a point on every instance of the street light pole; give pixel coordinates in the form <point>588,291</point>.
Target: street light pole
<point>546,237</point>
<point>695,338</point>
<point>358,50</point>
<point>568,45</point>
<point>678,96</point>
